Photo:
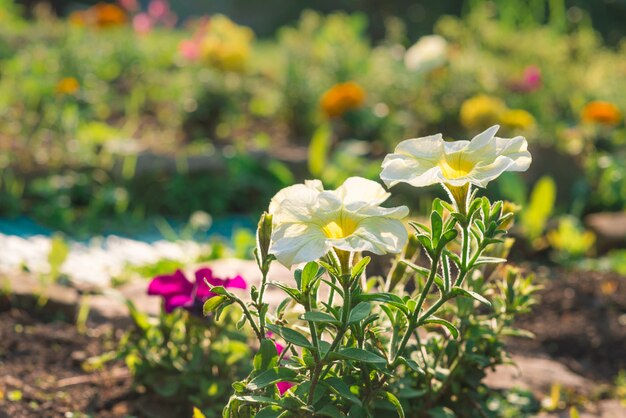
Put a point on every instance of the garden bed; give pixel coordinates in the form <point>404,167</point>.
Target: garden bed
<point>578,322</point>
<point>581,321</point>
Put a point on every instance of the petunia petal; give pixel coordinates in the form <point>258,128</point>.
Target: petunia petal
<point>177,301</point>
<point>283,387</point>
<point>173,284</point>
<point>377,235</point>
<point>305,194</point>
<point>236,282</point>
<point>291,247</point>
<point>360,190</point>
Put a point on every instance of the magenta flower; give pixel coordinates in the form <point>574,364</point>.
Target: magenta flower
<point>529,82</point>
<point>178,292</point>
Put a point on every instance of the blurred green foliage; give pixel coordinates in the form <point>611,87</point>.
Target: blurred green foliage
<point>83,110</point>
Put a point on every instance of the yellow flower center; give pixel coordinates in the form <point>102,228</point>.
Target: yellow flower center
<point>455,167</point>
<point>343,229</point>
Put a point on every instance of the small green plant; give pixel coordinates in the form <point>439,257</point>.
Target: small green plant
<point>186,359</point>
<point>570,241</point>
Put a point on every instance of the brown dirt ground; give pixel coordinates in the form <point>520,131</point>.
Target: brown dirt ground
<point>580,320</point>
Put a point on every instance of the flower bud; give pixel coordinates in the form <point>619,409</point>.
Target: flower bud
<point>264,235</point>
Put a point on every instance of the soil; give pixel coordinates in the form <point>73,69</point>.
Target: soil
<point>41,363</point>
<point>579,320</point>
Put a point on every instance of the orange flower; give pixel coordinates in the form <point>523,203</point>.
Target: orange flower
<point>341,98</point>
<point>604,113</point>
<point>67,86</point>
<point>101,15</point>
<point>108,14</point>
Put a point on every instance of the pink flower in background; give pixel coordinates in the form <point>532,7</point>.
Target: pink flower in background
<point>529,82</point>
<point>142,23</point>
<point>158,13</point>
<point>189,49</point>
<point>158,9</point>
<point>129,5</point>
<point>178,292</point>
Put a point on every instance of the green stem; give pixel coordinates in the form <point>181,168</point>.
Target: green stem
<point>413,321</point>
<point>259,303</point>
<point>345,315</point>
<point>248,315</point>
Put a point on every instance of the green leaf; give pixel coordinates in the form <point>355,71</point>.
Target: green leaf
<point>255,399</point>
<point>220,290</point>
<point>212,304</point>
<point>309,274</point>
<point>391,398</point>
<point>378,297</point>
<point>140,319</point>
<point>318,149</point>
<point>420,227</point>
<point>446,237</point>
<point>359,312</point>
<point>464,292</point>
<point>266,357</point>
<point>291,291</point>
<point>271,376</point>
<point>388,298</point>
<point>437,227</point>
<point>474,206</point>
<point>339,387</point>
<point>411,364</point>
<point>358,354</point>
<point>269,412</point>
<point>421,270</point>
<point>495,210</point>
<point>358,269</point>
<point>489,260</point>
<point>439,321</point>
<point>291,336</point>
<point>322,317</point>
<point>426,242</point>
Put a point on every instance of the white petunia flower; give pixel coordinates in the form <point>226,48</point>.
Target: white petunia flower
<point>429,160</point>
<point>428,53</point>
<point>310,221</point>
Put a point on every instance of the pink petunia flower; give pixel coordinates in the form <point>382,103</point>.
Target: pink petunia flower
<point>178,292</point>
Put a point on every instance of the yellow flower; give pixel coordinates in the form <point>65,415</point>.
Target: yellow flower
<point>226,45</point>
<point>482,111</point>
<point>67,86</point>
<point>604,113</point>
<point>341,98</point>
<point>517,119</point>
